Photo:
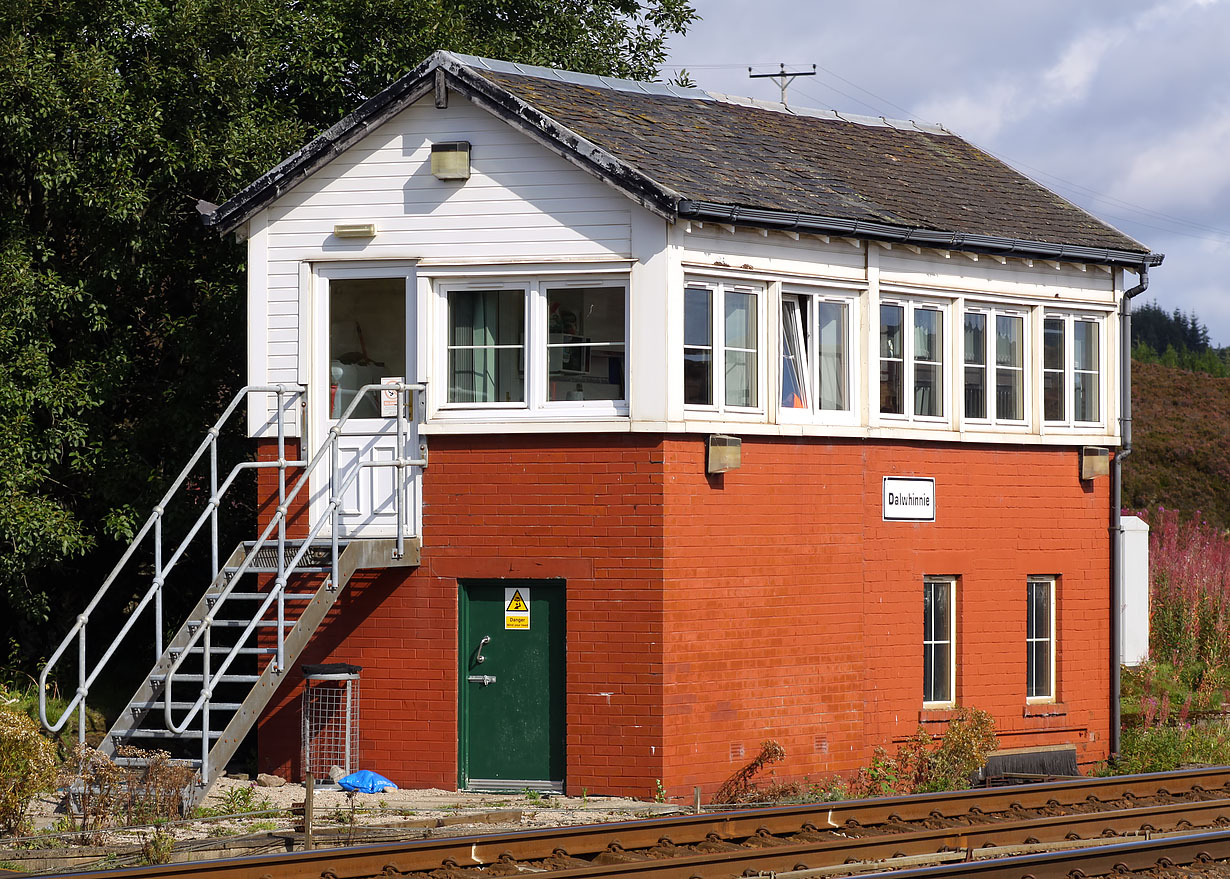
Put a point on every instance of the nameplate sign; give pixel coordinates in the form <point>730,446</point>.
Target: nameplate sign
<point>909,499</point>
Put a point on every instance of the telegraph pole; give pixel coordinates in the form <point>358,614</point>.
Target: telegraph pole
<point>783,77</point>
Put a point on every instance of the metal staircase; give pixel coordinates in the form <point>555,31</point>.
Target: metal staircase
<point>211,680</point>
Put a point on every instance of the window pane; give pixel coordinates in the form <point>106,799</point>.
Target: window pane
<point>940,689</point>
<point>1052,343</point>
<point>928,390</point>
<point>928,335</point>
<point>892,365</point>
<point>1009,371</point>
<point>891,318</point>
<point>1010,394</point>
<point>741,378</point>
<point>975,338</point>
<point>697,317</point>
<point>698,351</point>
<point>1085,396</point>
<point>741,336</point>
<point>1009,333</point>
<point>937,644</point>
<point>367,340</point>
<point>794,360</point>
<point>1053,395</point>
<point>1039,610</point>
<point>892,381</point>
<point>486,346</point>
<point>1085,345</point>
<point>585,343</point>
<point>928,357</point>
<point>833,320</point>
<point>1086,366</point>
<point>975,392</point>
<point>975,369</point>
<point>740,320</point>
<point>1039,672</point>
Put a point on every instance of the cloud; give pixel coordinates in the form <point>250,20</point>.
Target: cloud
<point>1184,169</point>
<point>1012,97</point>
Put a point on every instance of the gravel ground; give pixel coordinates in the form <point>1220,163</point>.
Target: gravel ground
<point>334,808</point>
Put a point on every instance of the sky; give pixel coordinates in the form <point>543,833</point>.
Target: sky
<point>1120,106</point>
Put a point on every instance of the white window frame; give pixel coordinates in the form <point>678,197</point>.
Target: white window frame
<point>814,296</point>
<point>535,345</point>
<point>949,583</point>
<point>718,288</point>
<point>1048,582</point>
<point>1070,318</point>
<point>992,314</point>
<point>909,304</point>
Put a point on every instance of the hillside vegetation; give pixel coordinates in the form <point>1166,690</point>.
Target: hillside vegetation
<point>1181,443</point>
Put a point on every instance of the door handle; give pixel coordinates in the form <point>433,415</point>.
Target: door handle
<point>481,679</point>
<point>480,659</point>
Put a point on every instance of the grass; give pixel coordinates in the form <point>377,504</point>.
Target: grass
<point>1174,707</point>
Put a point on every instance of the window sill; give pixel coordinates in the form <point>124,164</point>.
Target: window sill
<point>939,714</point>
<point>1045,709</point>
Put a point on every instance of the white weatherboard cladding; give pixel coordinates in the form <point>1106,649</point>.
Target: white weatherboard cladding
<point>522,202</point>
<point>986,275</point>
<point>710,244</point>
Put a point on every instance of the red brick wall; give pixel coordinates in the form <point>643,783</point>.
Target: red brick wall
<point>794,613</point>
<point>707,614</point>
<point>585,509</point>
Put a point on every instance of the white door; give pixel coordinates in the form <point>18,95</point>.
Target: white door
<point>365,332</point>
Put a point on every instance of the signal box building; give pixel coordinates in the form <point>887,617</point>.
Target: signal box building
<point>741,422</point>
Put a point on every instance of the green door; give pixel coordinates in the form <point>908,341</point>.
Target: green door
<point>511,718</point>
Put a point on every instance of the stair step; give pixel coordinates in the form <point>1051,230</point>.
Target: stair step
<point>261,596</point>
<point>302,569</point>
<point>246,651</point>
<point>162,734</point>
<point>155,704</point>
<point>192,678</point>
<point>238,624</point>
<point>140,761</point>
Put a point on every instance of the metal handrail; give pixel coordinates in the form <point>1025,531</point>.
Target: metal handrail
<point>327,450</point>
<point>154,524</point>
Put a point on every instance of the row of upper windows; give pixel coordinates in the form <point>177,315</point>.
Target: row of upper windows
<point>540,345</point>
<point>819,356</point>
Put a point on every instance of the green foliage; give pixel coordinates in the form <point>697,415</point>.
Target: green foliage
<point>1159,331</point>
<point>924,764</point>
<point>27,768</point>
<point>158,846</point>
<point>1165,748</point>
<point>236,801</point>
<point>1181,443</point>
<point>121,320</point>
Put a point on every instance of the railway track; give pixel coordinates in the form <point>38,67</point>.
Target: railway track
<point>809,841</point>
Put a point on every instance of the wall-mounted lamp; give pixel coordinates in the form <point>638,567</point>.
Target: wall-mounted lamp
<point>451,160</point>
<point>723,453</point>
<point>1095,462</point>
<point>355,230</point>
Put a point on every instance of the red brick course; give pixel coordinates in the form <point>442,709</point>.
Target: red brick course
<point>707,614</point>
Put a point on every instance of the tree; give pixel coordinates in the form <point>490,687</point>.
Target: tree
<point>121,319</point>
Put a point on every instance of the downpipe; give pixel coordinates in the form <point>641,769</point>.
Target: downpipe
<point>1116,499</point>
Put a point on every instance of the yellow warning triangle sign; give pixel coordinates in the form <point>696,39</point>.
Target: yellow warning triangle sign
<point>517,604</point>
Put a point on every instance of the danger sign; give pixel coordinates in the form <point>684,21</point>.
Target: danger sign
<point>516,607</point>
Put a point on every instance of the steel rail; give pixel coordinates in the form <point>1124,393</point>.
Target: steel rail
<point>1101,860</point>
<point>848,816</point>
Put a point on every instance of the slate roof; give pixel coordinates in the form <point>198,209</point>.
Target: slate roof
<point>690,153</point>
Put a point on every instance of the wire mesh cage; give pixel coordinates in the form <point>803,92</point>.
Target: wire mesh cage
<point>330,711</point>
